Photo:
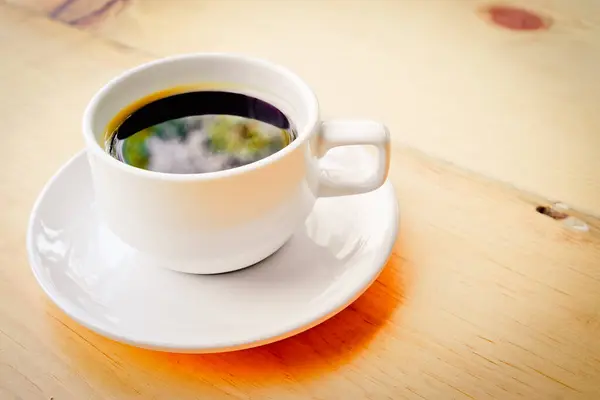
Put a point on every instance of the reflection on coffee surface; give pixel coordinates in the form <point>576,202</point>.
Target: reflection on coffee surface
<point>197,132</point>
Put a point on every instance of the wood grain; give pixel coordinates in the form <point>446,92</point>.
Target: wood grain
<point>482,298</point>
<point>516,106</point>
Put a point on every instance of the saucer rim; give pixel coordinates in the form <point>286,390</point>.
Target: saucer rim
<point>281,333</point>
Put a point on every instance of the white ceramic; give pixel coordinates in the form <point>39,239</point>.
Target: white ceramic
<point>124,294</point>
<point>234,218</point>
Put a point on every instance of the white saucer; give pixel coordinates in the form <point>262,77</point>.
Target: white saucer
<point>108,287</point>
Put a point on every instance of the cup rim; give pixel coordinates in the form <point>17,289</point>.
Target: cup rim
<point>303,133</point>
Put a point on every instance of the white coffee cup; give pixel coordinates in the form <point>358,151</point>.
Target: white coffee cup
<point>222,221</point>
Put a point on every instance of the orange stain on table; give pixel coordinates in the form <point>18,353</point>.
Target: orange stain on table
<point>315,352</point>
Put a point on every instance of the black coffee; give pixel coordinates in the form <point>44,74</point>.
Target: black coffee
<point>196,132</point>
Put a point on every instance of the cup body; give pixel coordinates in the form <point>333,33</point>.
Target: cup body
<point>212,222</point>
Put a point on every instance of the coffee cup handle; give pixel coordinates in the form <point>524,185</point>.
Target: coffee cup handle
<point>348,133</point>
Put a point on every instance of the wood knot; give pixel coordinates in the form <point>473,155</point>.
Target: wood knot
<point>517,19</point>
<point>551,212</point>
<point>558,212</point>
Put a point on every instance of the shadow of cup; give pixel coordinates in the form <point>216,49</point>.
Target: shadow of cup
<point>315,352</point>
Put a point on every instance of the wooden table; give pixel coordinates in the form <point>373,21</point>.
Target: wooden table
<point>483,296</point>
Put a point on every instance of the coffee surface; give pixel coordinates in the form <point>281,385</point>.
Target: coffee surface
<point>198,132</point>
